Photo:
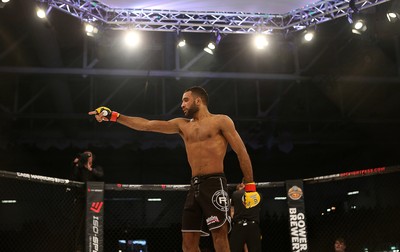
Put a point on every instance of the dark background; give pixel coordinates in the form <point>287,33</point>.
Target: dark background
<point>339,112</point>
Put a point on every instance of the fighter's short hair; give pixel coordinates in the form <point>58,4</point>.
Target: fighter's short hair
<point>199,92</point>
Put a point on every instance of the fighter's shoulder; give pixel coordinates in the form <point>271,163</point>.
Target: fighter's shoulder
<point>179,120</point>
<point>221,117</point>
<point>222,120</point>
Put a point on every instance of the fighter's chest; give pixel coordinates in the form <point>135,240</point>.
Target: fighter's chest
<point>195,131</point>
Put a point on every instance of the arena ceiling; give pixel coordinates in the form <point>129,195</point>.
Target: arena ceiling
<point>226,17</point>
<point>252,6</point>
<point>332,103</point>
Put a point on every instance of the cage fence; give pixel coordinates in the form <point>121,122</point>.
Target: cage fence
<point>43,215</point>
<point>39,216</point>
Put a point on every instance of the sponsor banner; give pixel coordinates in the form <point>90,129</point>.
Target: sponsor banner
<point>363,172</point>
<point>154,187</point>
<point>358,173</point>
<point>94,217</point>
<point>297,217</point>
<point>42,178</point>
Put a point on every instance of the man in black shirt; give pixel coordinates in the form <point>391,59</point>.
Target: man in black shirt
<point>245,229</point>
<point>83,169</point>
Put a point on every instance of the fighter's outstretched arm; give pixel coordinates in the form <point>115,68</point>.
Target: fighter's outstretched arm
<point>138,123</point>
<point>142,124</point>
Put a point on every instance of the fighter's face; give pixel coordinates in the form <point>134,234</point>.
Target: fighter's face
<point>189,106</point>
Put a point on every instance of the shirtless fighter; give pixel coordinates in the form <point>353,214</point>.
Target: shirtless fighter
<point>206,137</point>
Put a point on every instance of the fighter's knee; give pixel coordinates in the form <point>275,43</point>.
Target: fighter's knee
<point>189,247</point>
<point>190,242</point>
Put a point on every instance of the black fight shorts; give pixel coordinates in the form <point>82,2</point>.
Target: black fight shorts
<point>207,204</point>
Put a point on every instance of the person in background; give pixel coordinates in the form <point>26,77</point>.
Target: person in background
<point>83,169</point>
<point>245,235</point>
<point>340,245</point>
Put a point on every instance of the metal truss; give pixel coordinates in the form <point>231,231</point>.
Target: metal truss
<point>204,22</point>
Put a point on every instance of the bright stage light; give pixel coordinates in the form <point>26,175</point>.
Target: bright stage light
<point>214,41</point>
<point>308,36</point>
<point>182,43</point>
<point>91,30</point>
<point>181,39</point>
<point>211,45</point>
<point>393,13</point>
<point>260,41</point>
<point>132,39</point>
<point>392,16</point>
<point>359,24</point>
<point>359,27</point>
<point>208,50</point>
<point>40,13</point>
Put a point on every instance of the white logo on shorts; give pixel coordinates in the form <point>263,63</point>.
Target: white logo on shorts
<point>220,200</point>
<point>212,219</point>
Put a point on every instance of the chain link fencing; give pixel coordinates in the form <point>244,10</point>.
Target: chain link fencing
<point>39,216</point>
<point>364,211</point>
<point>47,217</point>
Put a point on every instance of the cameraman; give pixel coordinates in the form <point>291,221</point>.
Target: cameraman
<point>83,169</point>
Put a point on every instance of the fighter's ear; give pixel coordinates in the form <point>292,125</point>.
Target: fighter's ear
<point>198,100</point>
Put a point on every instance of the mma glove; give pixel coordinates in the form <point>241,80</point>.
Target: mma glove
<point>107,113</point>
<point>251,197</point>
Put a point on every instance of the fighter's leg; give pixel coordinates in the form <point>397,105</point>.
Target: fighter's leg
<point>220,238</point>
<point>190,241</point>
<point>191,223</point>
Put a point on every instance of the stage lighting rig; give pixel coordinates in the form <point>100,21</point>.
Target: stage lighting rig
<point>214,41</point>
<point>393,13</point>
<point>181,42</point>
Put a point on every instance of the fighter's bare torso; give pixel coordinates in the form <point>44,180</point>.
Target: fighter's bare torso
<point>205,143</point>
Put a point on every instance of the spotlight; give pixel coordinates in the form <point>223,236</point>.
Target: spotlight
<point>208,50</point>
<point>392,16</point>
<point>181,40</point>
<point>359,26</point>
<point>132,39</point>
<point>393,13</point>
<point>308,36</point>
<point>3,3</point>
<point>357,19</point>
<point>40,13</point>
<point>91,30</point>
<point>211,45</point>
<point>260,41</point>
<point>214,41</point>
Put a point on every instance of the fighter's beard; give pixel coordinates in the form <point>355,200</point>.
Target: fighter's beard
<point>191,111</point>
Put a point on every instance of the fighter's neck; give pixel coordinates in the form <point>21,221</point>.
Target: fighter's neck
<point>201,114</point>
